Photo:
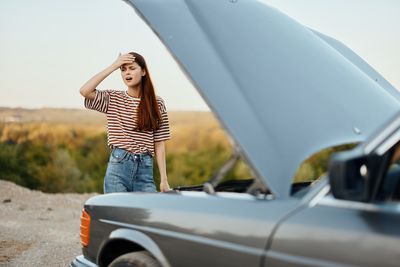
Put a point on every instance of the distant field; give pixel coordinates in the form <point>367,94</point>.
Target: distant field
<point>73,116</point>
<point>186,126</point>
<point>90,117</point>
<point>65,150</point>
<point>84,117</point>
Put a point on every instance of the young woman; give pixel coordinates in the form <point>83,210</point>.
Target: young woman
<point>137,124</point>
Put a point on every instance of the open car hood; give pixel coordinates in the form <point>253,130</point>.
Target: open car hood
<point>281,90</point>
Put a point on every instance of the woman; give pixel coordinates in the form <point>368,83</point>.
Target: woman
<point>137,124</point>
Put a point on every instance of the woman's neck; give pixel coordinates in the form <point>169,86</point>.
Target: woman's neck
<point>133,91</point>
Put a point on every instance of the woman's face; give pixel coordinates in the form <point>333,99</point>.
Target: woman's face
<point>132,74</point>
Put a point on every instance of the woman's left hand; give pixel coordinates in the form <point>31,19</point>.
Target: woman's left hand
<point>164,186</point>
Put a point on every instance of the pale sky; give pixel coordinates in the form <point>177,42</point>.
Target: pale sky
<point>49,48</point>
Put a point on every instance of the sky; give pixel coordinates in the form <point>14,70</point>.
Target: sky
<point>49,48</point>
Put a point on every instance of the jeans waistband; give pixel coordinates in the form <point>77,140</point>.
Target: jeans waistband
<point>135,155</point>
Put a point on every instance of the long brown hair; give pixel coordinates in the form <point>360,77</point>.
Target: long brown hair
<point>149,116</point>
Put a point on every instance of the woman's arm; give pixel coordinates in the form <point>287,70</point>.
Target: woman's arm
<point>88,89</point>
<point>160,157</point>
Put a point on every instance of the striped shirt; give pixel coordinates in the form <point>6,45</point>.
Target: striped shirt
<point>121,110</point>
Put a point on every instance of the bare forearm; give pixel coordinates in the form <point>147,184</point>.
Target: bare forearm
<point>160,157</point>
<point>88,89</point>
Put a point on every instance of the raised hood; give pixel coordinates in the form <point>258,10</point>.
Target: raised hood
<point>281,90</point>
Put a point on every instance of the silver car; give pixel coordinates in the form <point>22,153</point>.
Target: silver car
<point>283,92</point>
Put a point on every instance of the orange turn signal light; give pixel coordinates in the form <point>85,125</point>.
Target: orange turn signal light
<point>85,228</point>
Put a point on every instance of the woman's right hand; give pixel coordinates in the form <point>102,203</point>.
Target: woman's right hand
<point>123,59</point>
<point>88,90</point>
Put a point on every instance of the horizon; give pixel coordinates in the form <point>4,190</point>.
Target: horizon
<point>83,108</point>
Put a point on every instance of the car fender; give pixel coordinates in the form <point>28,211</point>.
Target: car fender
<point>137,238</point>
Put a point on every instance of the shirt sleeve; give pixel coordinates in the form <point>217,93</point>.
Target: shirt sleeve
<point>163,133</point>
<point>100,102</point>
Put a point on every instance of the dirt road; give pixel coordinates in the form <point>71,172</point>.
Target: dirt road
<point>38,229</point>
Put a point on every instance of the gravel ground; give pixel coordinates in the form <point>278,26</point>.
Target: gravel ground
<point>38,229</point>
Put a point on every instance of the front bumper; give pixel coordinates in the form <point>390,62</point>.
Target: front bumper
<point>81,261</point>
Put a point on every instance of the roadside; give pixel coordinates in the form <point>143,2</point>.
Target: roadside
<point>38,229</point>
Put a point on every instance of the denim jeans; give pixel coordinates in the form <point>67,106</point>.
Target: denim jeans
<point>128,172</point>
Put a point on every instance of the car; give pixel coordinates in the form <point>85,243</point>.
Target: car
<point>283,92</point>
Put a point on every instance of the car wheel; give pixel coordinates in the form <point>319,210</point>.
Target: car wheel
<point>135,259</point>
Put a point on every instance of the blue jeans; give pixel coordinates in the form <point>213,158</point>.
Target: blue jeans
<point>128,172</point>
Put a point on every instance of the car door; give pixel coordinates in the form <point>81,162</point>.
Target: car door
<point>339,232</point>
<point>331,231</point>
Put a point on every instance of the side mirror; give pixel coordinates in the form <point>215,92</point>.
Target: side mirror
<point>349,176</point>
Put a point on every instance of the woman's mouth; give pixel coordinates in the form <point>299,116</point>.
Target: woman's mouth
<point>128,79</point>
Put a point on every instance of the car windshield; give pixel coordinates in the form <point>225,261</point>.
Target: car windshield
<point>313,169</point>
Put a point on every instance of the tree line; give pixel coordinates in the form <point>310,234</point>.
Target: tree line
<point>63,158</point>
<point>57,157</point>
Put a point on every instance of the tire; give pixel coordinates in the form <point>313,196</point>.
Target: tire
<point>135,259</point>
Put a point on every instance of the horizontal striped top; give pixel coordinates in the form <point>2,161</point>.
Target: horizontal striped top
<point>121,110</point>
